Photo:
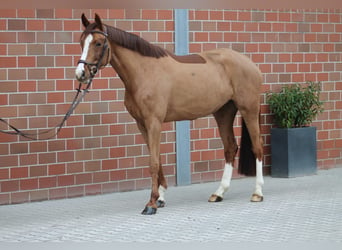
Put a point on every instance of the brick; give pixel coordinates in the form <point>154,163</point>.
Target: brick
<point>75,191</point>
<point>165,14</point>
<point>47,182</point>
<point>17,74</point>
<point>125,163</point>
<point>9,186</point>
<point>134,173</point>
<point>165,36</point>
<point>4,99</point>
<point>4,199</point>
<point>216,15</point>
<point>140,25</point>
<point>16,24</point>
<point>8,161</point>
<point>209,26</point>
<point>17,99</point>
<point>56,169</point>
<point>18,148</point>
<point>20,172</point>
<point>55,73</point>
<point>230,37</point>
<point>76,167</point>
<point>20,197</point>
<point>39,195</point>
<point>244,16</point>
<point>65,156</point>
<point>8,13</point>
<point>258,16</point>
<point>116,13</point>
<point>27,61</point>
<point>271,16</point>
<point>71,25</point>
<point>45,158</point>
<point>92,119</point>
<point>83,178</point>
<point>132,14</point>
<point>11,37</point>
<point>36,171</point>
<point>63,13</point>
<point>83,155</point>
<point>109,164</point>
<point>93,189</point>
<point>28,184</point>
<point>45,13</point>
<point>3,48</point>
<point>9,86</point>
<point>26,37</point>
<point>284,17</point>
<point>65,180</point>
<point>92,166</point>
<point>57,193</point>
<point>230,15</point>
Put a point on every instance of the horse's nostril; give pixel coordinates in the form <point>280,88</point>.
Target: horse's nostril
<point>83,74</point>
<point>94,70</point>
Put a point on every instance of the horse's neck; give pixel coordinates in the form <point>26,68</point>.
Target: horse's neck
<point>124,62</point>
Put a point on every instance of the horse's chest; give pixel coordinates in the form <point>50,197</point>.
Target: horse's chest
<point>142,106</point>
<point>132,107</point>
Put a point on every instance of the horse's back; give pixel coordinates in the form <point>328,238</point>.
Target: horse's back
<point>240,69</point>
<point>233,61</point>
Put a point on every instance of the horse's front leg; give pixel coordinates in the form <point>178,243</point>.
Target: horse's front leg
<point>153,129</point>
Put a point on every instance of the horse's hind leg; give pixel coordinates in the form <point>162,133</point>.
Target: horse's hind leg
<point>251,119</point>
<point>225,119</point>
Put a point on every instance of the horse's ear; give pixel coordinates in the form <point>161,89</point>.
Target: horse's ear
<point>85,21</point>
<point>98,22</point>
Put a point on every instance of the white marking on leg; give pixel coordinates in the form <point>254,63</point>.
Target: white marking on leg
<point>259,178</point>
<point>226,178</point>
<point>80,66</point>
<point>161,191</point>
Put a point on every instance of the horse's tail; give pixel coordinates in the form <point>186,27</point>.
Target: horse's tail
<point>247,161</point>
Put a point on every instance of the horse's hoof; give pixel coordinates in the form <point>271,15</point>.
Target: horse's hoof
<point>257,198</point>
<point>149,211</point>
<point>160,203</point>
<point>215,198</point>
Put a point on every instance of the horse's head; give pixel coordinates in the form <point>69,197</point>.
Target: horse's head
<point>95,50</point>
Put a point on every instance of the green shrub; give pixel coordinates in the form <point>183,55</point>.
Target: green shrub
<point>295,105</point>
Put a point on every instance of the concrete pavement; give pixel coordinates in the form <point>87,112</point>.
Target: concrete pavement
<point>300,209</point>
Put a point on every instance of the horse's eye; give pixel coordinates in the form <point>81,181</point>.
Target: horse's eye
<point>98,44</point>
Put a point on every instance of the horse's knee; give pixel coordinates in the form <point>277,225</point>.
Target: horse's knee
<point>230,153</point>
<point>258,151</point>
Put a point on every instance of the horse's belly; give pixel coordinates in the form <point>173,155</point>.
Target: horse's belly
<point>193,107</point>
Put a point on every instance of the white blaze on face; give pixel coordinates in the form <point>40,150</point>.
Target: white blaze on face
<point>80,66</point>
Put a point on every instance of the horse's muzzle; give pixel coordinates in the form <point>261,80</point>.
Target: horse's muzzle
<point>81,74</point>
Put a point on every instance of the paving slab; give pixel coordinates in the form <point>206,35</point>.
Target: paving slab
<point>302,209</point>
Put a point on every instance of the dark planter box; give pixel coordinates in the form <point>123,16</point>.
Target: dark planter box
<point>293,152</point>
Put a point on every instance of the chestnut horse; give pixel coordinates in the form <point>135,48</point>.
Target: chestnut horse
<point>162,87</point>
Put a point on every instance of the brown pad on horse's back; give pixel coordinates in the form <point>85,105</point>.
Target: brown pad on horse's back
<point>192,58</point>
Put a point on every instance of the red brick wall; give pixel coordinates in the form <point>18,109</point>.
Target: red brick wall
<point>289,46</point>
<point>100,149</point>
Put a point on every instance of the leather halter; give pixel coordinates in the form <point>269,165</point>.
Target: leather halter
<point>104,48</point>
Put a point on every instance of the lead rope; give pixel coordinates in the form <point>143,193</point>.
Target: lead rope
<point>34,136</point>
